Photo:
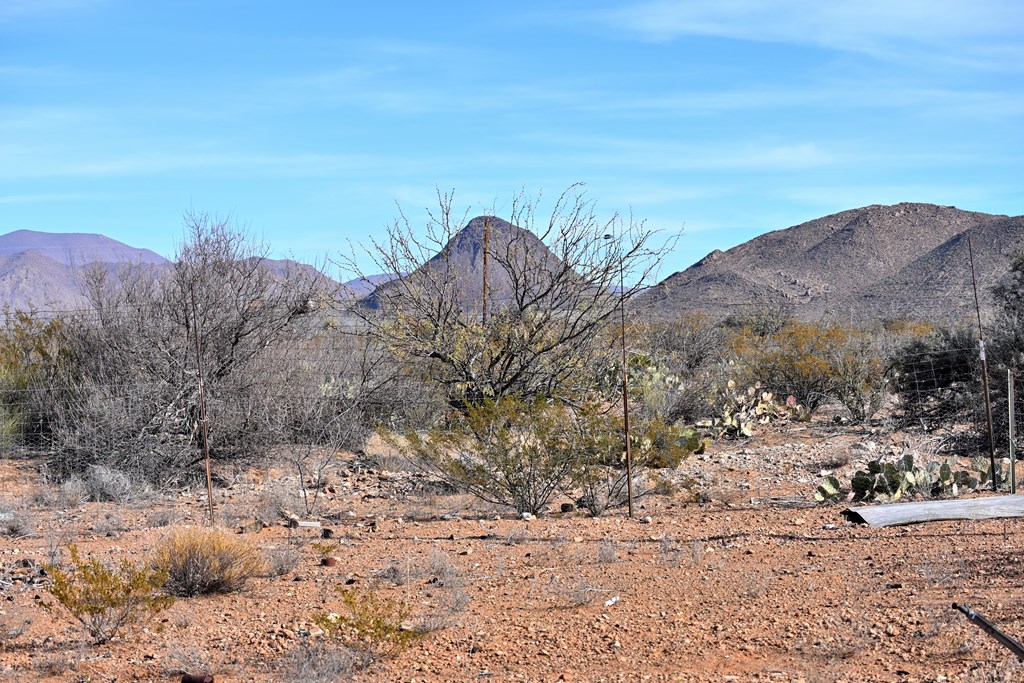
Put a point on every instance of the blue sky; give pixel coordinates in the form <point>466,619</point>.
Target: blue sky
<point>308,121</point>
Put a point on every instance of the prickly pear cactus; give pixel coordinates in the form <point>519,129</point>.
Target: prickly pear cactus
<point>892,481</point>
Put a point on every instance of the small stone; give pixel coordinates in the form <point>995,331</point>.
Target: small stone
<point>646,520</point>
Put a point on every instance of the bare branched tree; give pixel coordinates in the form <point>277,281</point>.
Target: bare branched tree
<point>131,396</point>
<point>551,288</point>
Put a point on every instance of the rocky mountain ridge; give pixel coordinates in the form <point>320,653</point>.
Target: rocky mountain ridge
<point>908,260</point>
<point>905,260</point>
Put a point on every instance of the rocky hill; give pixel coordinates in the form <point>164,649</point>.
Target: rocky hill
<point>457,270</point>
<point>872,263</point>
<point>906,260</point>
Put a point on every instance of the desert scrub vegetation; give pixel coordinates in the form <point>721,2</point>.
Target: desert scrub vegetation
<point>105,600</point>
<point>677,368</point>
<point>32,350</point>
<point>198,561</point>
<point>369,625</point>
<point>14,523</point>
<point>126,380</point>
<point>815,363</point>
<point>519,453</point>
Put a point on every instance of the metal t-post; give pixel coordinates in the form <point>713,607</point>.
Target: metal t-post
<point>1013,429</point>
<point>625,392</point>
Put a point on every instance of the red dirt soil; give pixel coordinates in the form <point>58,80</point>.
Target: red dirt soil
<point>755,584</point>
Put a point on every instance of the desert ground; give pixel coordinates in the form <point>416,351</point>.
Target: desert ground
<point>730,574</point>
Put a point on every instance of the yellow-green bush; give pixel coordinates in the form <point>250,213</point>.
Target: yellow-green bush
<point>814,363</point>
<point>201,561</point>
<point>104,600</point>
<point>30,350</point>
<point>368,624</point>
<point>519,453</point>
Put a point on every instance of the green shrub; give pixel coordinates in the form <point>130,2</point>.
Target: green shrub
<point>31,350</point>
<point>520,453</point>
<point>202,561</point>
<point>369,625</point>
<point>105,600</point>
<point>815,363</point>
<point>511,452</point>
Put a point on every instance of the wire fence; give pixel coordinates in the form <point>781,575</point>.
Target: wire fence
<point>319,392</point>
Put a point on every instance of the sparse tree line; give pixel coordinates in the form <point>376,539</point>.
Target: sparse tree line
<point>515,404</point>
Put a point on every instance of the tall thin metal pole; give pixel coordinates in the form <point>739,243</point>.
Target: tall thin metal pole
<point>625,390</point>
<point>1011,402</point>
<point>487,250</point>
<point>984,371</point>
<point>202,405</point>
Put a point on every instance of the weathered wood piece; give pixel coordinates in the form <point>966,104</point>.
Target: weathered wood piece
<point>296,523</point>
<point>896,514</point>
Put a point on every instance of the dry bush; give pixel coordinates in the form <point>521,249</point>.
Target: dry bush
<point>74,491</point>
<point>319,663</point>
<point>584,593</point>
<point>574,592</point>
<point>162,518</point>
<point>282,560</point>
<point>269,506</point>
<point>107,484</point>
<point>13,624</point>
<point>607,553</point>
<point>681,369</point>
<point>55,664</point>
<point>110,525</point>
<point>188,659</point>
<point>130,396</point>
<point>203,561</point>
<point>14,523</point>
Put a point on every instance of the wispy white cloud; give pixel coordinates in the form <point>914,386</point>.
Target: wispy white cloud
<point>12,11</point>
<point>48,197</point>
<point>974,32</point>
<point>657,154</point>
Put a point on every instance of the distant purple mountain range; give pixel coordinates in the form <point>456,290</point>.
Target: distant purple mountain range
<point>74,248</point>
<point>41,270</point>
<point>872,263</point>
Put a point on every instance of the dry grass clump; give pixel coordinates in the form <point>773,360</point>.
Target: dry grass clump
<point>319,663</point>
<point>106,484</point>
<point>14,524</point>
<point>202,561</point>
<point>282,560</point>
